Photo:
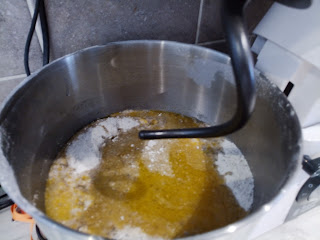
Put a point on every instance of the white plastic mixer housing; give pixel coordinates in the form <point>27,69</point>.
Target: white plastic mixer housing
<point>288,53</point>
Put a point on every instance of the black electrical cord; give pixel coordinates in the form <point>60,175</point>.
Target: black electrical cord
<point>5,201</point>
<point>38,10</point>
<point>45,32</point>
<point>29,38</point>
<point>40,236</point>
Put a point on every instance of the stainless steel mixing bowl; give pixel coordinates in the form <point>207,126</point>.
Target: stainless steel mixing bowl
<point>48,107</point>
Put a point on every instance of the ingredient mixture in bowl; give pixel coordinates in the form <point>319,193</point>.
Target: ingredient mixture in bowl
<point>108,182</point>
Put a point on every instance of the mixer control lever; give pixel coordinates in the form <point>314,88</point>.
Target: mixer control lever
<point>312,167</point>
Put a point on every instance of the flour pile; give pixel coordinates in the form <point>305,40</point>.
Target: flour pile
<point>233,166</point>
<point>156,156</point>
<point>105,163</point>
<point>84,153</point>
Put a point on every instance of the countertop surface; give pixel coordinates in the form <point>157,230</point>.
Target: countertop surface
<point>304,227</point>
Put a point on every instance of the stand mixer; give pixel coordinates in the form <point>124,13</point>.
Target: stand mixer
<point>242,63</point>
<point>288,52</point>
<point>243,70</point>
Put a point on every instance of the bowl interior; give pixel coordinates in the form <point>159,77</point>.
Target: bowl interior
<point>50,106</point>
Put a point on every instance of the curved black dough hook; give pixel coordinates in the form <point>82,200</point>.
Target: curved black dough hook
<point>243,69</point>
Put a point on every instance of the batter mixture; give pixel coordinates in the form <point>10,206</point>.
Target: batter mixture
<point>108,182</point>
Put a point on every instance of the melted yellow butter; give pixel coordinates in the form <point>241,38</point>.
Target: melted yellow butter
<point>176,193</point>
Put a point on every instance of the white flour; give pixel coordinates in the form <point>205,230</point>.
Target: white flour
<point>155,155</point>
<point>84,152</point>
<point>230,163</point>
<point>235,169</point>
<point>129,233</point>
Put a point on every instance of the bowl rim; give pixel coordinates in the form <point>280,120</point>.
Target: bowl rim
<point>13,190</point>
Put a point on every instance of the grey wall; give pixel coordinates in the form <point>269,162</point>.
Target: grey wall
<point>76,24</point>
<point>15,20</point>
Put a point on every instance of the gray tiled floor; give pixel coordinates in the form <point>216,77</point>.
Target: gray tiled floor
<point>14,26</point>
<point>78,24</point>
